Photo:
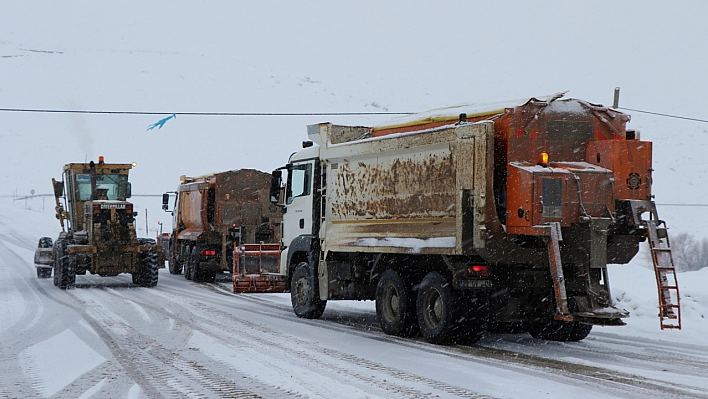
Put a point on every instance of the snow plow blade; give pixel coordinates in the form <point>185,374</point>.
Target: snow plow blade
<point>257,268</point>
<point>609,316</point>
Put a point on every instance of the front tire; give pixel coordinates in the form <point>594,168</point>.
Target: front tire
<point>57,262</point>
<point>395,305</point>
<point>305,300</point>
<point>44,272</point>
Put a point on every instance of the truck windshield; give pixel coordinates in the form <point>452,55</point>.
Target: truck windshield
<point>116,184</point>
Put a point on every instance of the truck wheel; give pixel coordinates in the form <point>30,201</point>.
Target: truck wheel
<point>436,309</point>
<point>189,265</point>
<point>305,300</point>
<point>395,305</point>
<point>67,278</point>
<point>208,276</point>
<point>473,319</point>
<point>175,266</point>
<point>198,274</point>
<point>564,331</point>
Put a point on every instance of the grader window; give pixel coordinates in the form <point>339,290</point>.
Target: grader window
<point>116,184</point>
<point>83,187</point>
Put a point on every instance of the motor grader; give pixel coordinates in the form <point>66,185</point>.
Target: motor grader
<point>98,227</point>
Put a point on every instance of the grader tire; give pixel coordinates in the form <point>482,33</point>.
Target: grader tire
<point>67,266</point>
<point>149,275</point>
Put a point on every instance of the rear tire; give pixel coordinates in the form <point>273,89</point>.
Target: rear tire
<point>207,276</point>
<point>67,265</point>
<point>189,266</point>
<point>198,274</point>
<point>395,305</point>
<point>303,296</point>
<point>149,275</point>
<point>437,310</point>
<point>563,331</point>
<point>174,265</point>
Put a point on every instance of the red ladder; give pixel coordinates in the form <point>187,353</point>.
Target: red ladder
<point>666,282</point>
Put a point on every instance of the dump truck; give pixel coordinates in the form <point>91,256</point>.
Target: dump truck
<point>98,227</point>
<point>214,213</point>
<point>476,219</point>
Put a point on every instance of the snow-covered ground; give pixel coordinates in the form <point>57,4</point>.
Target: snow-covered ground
<point>110,339</point>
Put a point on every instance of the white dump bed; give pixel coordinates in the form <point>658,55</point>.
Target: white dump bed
<point>407,193</point>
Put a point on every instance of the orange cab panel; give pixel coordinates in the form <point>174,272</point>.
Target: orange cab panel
<point>630,161</point>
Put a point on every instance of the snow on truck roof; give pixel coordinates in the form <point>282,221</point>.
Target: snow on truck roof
<point>453,112</point>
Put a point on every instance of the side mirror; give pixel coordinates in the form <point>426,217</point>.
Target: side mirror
<point>129,192</point>
<point>165,201</point>
<point>58,188</point>
<point>275,183</point>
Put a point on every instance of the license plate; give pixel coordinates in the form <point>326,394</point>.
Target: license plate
<point>476,283</point>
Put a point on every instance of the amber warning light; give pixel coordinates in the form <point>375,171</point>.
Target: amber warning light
<point>543,159</point>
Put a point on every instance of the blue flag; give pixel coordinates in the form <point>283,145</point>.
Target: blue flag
<point>161,122</point>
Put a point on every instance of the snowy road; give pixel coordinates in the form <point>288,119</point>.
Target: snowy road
<point>110,339</point>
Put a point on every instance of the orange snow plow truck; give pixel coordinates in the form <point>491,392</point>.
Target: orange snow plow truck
<point>461,221</point>
<point>215,215</point>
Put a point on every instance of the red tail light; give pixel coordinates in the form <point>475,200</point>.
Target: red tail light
<point>478,269</point>
<point>96,208</point>
<point>208,252</point>
<point>129,208</point>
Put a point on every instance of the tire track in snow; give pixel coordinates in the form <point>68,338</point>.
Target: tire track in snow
<point>119,354</point>
<point>570,370</point>
<point>312,354</point>
<point>165,368</point>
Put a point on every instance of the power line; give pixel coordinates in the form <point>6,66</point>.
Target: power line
<point>98,112</point>
<point>77,111</point>
<point>666,115</point>
<point>682,204</point>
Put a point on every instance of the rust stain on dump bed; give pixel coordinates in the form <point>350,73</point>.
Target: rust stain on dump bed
<point>409,186</point>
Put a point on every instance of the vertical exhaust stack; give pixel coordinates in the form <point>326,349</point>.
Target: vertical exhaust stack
<point>615,102</point>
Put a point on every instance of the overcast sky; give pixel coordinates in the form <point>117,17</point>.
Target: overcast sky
<point>318,57</point>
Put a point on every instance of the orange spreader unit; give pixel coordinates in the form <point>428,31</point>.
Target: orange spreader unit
<point>256,268</point>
